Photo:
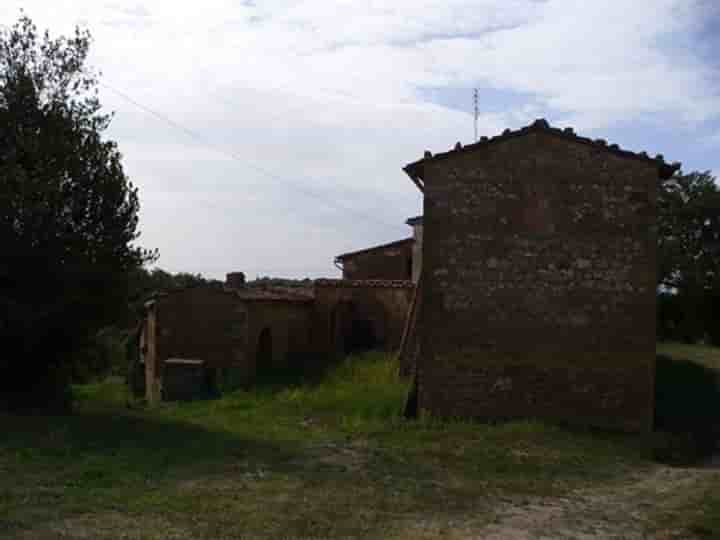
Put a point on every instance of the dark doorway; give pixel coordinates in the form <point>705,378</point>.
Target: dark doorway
<point>355,328</point>
<point>263,355</point>
<point>361,337</point>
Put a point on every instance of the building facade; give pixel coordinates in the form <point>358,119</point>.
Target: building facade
<point>538,280</point>
<point>392,261</point>
<point>359,315</point>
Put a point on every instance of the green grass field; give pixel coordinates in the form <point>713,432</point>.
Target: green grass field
<point>328,459</point>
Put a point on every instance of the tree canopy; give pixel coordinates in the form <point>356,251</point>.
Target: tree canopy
<point>689,257</point>
<point>68,213</point>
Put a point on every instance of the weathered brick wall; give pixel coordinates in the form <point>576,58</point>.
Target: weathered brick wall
<point>339,304</point>
<point>391,262</point>
<point>539,294</point>
<point>290,328</point>
<point>223,330</point>
<point>203,323</point>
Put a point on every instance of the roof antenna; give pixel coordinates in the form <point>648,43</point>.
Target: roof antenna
<point>477,112</point>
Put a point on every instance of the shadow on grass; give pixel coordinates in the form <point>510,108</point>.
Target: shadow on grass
<point>94,461</point>
<point>152,444</point>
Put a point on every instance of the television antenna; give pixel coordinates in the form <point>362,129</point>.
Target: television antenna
<point>476,112</point>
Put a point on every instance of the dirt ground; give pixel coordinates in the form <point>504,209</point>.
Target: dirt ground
<point>630,510</point>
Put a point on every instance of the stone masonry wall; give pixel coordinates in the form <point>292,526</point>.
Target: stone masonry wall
<point>215,326</point>
<point>387,262</point>
<point>339,304</point>
<point>539,294</point>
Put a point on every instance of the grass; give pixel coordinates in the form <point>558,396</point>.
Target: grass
<point>697,513</point>
<point>330,458</point>
<point>702,354</point>
<point>700,513</point>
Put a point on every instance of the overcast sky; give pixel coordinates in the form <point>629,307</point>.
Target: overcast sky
<point>293,119</point>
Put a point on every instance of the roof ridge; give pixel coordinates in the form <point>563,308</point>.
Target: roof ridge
<point>380,246</point>
<point>542,125</point>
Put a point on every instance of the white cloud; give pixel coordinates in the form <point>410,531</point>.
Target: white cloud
<point>323,96</point>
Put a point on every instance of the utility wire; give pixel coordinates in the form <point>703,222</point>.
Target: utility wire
<point>199,138</point>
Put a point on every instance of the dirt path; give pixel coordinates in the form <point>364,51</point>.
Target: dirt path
<point>625,511</point>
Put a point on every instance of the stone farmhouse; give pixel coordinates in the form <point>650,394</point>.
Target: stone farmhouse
<point>537,295</point>
<point>527,289</point>
<point>197,340</point>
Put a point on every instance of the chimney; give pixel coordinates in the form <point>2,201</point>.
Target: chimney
<point>235,280</point>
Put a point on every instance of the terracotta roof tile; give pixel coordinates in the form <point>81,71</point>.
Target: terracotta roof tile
<point>665,170</point>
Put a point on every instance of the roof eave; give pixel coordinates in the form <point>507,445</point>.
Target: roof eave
<point>415,172</point>
<point>389,245</point>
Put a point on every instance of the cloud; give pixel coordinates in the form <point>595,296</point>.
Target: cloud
<point>306,110</point>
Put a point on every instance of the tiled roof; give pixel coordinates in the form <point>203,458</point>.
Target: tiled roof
<point>365,283</point>
<point>250,294</point>
<point>272,294</point>
<point>397,243</point>
<point>665,170</point>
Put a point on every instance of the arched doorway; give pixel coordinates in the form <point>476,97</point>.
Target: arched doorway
<point>263,354</point>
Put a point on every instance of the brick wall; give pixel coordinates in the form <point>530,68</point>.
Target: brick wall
<point>223,330</point>
<point>340,304</point>
<point>539,294</point>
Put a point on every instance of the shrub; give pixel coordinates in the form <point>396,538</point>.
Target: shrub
<point>103,355</point>
<point>687,403</point>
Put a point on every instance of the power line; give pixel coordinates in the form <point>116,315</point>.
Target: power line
<point>199,138</point>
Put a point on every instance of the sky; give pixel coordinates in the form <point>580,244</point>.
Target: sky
<point>268,136</point>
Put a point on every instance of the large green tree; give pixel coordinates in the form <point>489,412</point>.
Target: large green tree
<point>689,255</point>
<point>68,214</point>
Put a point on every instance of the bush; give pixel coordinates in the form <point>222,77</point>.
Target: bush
<point>104,355</point>
<point>687,403</point>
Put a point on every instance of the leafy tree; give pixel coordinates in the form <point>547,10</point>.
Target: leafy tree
<point>68,214</point>
<point>689,254</point>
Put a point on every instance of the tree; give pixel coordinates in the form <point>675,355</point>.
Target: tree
<point>689,254</point>
<point>68,214</point>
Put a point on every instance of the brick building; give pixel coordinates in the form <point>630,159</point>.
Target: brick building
<point>198,340</point>
<point>538,285</point>
<point>392,261</point>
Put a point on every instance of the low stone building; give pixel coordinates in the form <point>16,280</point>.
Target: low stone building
<point>228,334</point>
<point>538,279</point>
<point>197,341</point>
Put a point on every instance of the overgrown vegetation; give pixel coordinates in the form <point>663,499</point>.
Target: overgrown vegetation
<point>689,258</point>
<point>325,458</point>
<point>687,410</point>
